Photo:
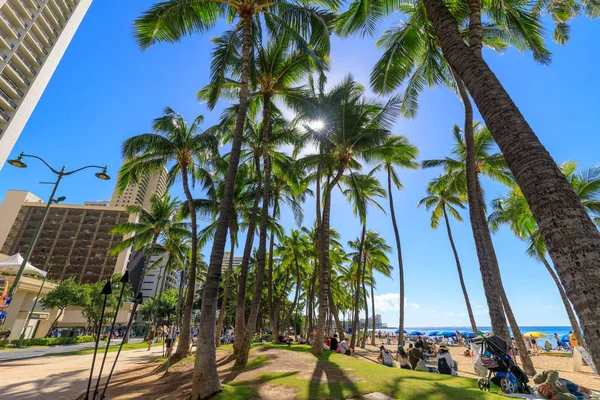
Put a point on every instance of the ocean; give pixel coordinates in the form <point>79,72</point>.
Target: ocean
<point>549,331</point>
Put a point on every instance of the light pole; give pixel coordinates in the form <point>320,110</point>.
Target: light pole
<point>19,163</point>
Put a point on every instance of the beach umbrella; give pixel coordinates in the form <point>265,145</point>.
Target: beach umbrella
<point>465,333</point>
<point>470,335</point>
<point>447,333</point>
<point>398,331</point>
<point>432,333</point>
<point>535,335</point>
<point>417,333</point>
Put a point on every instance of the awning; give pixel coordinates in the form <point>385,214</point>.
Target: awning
<point>12,264</point>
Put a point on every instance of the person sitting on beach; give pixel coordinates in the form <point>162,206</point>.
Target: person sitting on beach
<point>573,340</point>
<point>459,338</point>
<point>446,365</point>
<point>466,353</point>
<point>402,358</point>
<point>345,347</point>
<point>547,346</point>
<point>551,386</point>
<point>385,357</point>
<point>333,343</point>
<point>557,338</point>
<point>415,354</point>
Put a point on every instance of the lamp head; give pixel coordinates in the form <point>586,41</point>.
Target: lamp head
<point>103,175</point>
<point>61,198</point>
<point>19,163</point>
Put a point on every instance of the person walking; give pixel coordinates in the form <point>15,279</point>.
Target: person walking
<point>150,338</point>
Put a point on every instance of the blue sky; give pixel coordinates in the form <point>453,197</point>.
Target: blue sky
<point>105,90</point>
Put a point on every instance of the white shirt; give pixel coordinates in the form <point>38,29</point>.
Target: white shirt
<point>449,360</point>
<point>344,347</point>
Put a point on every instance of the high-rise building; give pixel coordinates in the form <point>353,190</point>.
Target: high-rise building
<point>236,262</point>
<point>151,284</point>
<point>34,35</point>
<point>141,193</point>
<point>75,240</point>
<point>97,203</point>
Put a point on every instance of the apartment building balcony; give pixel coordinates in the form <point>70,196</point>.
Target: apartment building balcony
<point>30,54</point>
<point>5,41</point>
<point>23,64</point>
<point>6,101</point>
<point>51,17</point>
<point>59,10</point>
<point>15,17</point>
<point>36,44</point>
<point>8,27</point>
<point>45,22</point>
<point>9,86</point>
<point>16,75</point>
<point>24,9</point>
<point>35,4</point>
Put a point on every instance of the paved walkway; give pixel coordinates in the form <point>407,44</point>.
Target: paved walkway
<point>62,377</point>
<point>21,354</point>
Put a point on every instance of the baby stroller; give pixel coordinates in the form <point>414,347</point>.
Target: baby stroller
<point>491,352</point>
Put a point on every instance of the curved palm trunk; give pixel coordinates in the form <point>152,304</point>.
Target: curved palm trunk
<point>570,313</point>
<point>364,291</point>
<point>336,318</point>
<point>373,312</point>
<point>160,287</point>
<point>572,239</point>
<point>523,353</point>
<point>227,288</point>
<point>481,234</point>
<point>356,322</point>
<point>460,274</point>
<point>273,314</point>
<point>244,350</point>
<point>184,340</point>
<point>296,294</point>
<point>205,381</point>
<point>400,264</point>
<point>240,309</point>
<point>317,347</point>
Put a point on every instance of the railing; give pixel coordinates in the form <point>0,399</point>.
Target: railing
<point>7,98</point>
<point>24,61</point>
<point>19,73</point>
<point>26,8</point>
<point>12,84</point>
<point>7,21</point>
<point>40,45</point>
<point>5,36</point>
<point>39,61</point>
<point>4,115</point>
<point>14,10</point>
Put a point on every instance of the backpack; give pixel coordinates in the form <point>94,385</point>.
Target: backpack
<point>443,367</point>
<point>387,359</point>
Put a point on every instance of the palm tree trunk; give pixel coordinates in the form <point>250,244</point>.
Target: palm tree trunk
<point>311,298</point>
<point>373,313</point>
<point>399,252</point>
<point>240,309</point>
<point>227,288</point>
<point>159,287</point>
<point>184,339</point>
<point>272,314</point>
<point>572,239</point>
<point>460,274</point>
<point>523,353</point>
<point>356,324</point>
<point>336,318</point>
<point>364,291</point>
<point>481,234</point>
<point>317,347</point>
<point>205,381</point>
<point>244,350</point>
<point>296,294</point>
<point>570,313</point>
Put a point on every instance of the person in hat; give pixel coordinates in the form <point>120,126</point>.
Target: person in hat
<point>402,358</point>
<point>446,365</point>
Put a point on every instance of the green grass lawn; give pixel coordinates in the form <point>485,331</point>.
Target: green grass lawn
<point>369,377</point>
<point>101,347</point>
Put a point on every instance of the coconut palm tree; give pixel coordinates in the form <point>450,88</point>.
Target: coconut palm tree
<point>493,165</point>
<point>361,191</point>
<point>182,148</point>
<point>169,21</point>
<point>354,129</point>
<point>562,219</point>
<point>403,155</point>
<point>514,211</point>
<point>442,200</point>
<point>150,226</point>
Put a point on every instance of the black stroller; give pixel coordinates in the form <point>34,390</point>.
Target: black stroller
<point>492,353</point>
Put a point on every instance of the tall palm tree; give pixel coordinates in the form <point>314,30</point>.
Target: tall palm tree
<point>493,165</point>
<point>354,129</point>
<point>562,219</point>
<point>442,200</point>
<point>169,21</point>
<point>361,191</point>
<point>182,148</point>
<point>403,155</point>
<point>514,211</point>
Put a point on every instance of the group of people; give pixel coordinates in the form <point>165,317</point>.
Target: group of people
<point>414,359</point>
<point>343,347</point>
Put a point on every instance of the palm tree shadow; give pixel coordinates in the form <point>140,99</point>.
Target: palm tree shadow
<point>337,381</point>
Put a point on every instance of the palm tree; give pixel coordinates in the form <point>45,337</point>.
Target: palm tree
<point>183,148</point>
<point>492,165</point>
<point>169,21</point>
<point>514,211</point>
<point>361,191</point>
<point>403,155</point>
<point>562,219</point>
<point>442,199</point>
<point>353,130</point>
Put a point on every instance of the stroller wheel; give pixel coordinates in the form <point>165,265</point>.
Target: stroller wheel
<point>483,384</point>
<point>507,386</point>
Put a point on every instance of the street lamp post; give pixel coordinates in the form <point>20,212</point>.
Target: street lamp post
<point>19,163</point>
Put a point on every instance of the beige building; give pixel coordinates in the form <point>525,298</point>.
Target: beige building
<point>140,194</point>
<point>34,35</point>
<point>75,239</point>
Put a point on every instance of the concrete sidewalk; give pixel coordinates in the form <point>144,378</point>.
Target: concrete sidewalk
<point>22,354</point>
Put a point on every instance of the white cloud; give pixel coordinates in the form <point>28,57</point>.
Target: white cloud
<point>391,302</point>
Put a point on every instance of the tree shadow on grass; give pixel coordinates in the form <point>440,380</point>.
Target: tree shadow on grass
<point>338,384</point>
<point>253,363</point>
<point>401,387</point>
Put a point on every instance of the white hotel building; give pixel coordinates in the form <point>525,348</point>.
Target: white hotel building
<point>34,35</point>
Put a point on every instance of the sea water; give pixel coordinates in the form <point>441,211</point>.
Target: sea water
<point>549,331</point>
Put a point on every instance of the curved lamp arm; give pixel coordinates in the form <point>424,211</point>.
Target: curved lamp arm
<point>87,166</point>
<point>42,160</point>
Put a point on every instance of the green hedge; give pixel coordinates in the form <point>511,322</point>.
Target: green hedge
<point>3,343</point>
<point>51,341</point>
